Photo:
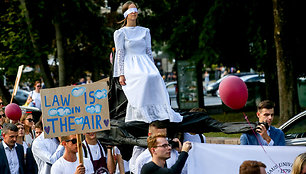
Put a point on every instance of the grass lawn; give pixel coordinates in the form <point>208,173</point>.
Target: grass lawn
<point>234,117</point>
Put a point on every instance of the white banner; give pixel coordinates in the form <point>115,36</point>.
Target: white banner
<point>226,159</point>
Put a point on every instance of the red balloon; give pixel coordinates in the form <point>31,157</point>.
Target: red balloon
<point>13,111</point>
<point>233,92</point>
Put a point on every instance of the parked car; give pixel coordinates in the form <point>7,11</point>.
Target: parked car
<point>253,78</point>
<point>295,130</point>
<point>172,89</point>
<point>213,87</point>
<point>21,96</point>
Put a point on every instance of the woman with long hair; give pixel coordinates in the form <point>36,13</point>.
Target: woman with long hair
<point>28,121</point>
<point>148,99</point>
<point>20,137</point>
<point>299,164</point>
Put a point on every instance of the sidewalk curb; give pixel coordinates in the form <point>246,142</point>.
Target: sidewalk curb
<point>222,140</point>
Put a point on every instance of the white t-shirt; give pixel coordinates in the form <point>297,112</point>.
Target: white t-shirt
<point>28,139</point>
<point>62,166</point>
<point>36,98</point>
<point>95,151</point>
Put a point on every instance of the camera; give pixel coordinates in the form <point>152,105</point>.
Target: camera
<point>173,144</point>
<point>258,129</point>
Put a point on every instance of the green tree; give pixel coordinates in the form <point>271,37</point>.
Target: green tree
<point>233,33</point>
<point>85,32</point>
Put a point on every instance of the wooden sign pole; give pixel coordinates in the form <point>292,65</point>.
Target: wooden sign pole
<point>17,82</point>
<point>80,150</point>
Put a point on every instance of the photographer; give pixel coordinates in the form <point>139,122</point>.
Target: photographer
<point>160,150</point>
<point>157,127</point>
<point>267,134</point>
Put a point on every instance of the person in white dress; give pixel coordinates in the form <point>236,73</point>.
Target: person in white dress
<point>148,99</point>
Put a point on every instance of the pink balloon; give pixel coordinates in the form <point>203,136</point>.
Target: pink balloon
<point>233,92</point>
<point>13,111</point>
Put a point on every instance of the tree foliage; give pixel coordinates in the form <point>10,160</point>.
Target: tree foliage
<point>15,41</point>
<point>232,33</point>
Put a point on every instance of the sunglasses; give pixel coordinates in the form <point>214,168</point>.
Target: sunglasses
<point>30,119</point>
<point>73,141</point>
<point>2,115</point>
<point>38,86</point>
<point>1,103</point>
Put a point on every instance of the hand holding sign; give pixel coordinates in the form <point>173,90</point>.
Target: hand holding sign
<point>75,109</point>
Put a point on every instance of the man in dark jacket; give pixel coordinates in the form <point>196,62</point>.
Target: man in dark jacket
<point>11,153</point>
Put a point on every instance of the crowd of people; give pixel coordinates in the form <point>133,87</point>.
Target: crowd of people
<point>24,148</point>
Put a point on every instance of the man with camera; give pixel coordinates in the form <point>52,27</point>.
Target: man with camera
<point>157,127</point>
<point>267,135</point>
<point>160,150</point>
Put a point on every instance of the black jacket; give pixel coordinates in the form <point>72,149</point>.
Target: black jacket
<point>4,166</point>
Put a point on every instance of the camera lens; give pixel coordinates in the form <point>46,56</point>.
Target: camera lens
<point>174,144</point>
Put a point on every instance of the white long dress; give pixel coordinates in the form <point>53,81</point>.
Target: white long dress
<point>148,99</point>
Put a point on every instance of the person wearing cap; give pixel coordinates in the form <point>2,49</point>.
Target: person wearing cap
<point>148,99</point>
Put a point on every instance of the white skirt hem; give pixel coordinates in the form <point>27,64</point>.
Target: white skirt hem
<point>151,113</point>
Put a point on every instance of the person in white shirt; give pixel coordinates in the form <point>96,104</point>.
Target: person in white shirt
<point>93,150</point>
<point>46,151</point>
<point>69,162</point>
<point>34,96</point>
<point>137,150</point>
<point>122,165</point>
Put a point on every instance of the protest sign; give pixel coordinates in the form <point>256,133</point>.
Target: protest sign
<point>17,82</point>
<point>75,109</point>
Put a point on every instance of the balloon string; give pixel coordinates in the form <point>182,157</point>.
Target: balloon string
<point>246,118</point>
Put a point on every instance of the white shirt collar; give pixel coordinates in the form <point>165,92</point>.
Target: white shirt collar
<point>6,146</point>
